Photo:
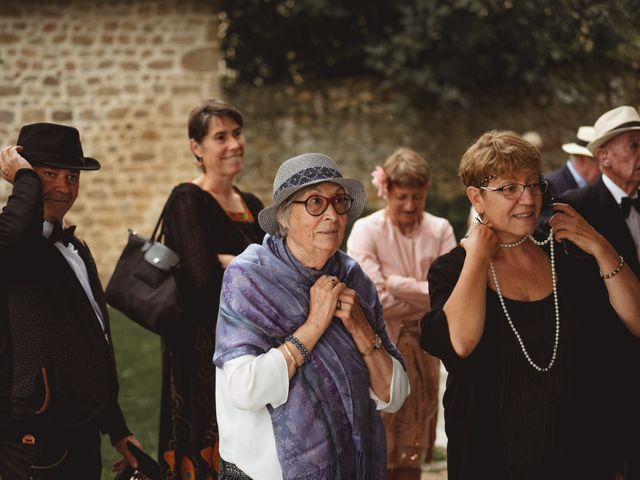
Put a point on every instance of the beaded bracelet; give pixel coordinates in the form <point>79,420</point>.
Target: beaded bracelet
<point>290,355</point>
<point>301,348</point>
<point>606,276</point>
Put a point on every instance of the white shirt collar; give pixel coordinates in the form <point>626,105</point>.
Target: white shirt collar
<point>47,228</point>
<point>616,191</point>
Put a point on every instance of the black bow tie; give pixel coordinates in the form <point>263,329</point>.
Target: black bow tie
<point>58,234</point>
<point>627,203</point>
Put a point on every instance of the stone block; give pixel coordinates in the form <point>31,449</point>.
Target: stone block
<point>142,157</point>
<point>203,59</point>
<point>107,91</point>
<point>212,31</point>
<point>7,90</point>
<point>186,90</point>
<point>75,90</point>
<point>6,116</point>
<point>160,64</point>
<point>118,113</point>
<point>51,81</point>
<point>82,40</point>
<point>62,115</point>
<point>106,64</point>
<point>88,115</point>
<point>7,38</point>
<point>35,115</point>
<point>129,66</point>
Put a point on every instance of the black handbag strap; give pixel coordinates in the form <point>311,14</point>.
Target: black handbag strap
<point>158,234</point>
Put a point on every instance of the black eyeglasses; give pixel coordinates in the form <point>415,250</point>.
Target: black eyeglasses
<point>511,191</point>
<point>316,205</point>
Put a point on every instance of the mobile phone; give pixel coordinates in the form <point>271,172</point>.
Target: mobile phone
<point>549,198</point>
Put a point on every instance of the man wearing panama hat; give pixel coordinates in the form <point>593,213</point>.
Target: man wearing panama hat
<point>58,383</point>
<point>612,207</point>
<point>580,169</point>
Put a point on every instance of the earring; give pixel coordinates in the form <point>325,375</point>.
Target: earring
<point>478,220</point>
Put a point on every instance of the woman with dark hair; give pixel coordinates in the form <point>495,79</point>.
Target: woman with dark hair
<point>518,325</point>
<point>207,222</point>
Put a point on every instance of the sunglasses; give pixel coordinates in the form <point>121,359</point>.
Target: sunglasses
<point>316,205</point>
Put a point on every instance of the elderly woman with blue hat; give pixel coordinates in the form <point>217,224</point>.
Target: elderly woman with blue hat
<point>304,363</point>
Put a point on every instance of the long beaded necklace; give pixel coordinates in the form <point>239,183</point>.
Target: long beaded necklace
<point>555,301</point>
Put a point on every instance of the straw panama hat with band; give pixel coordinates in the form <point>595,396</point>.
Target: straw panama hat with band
<point>302,171</point>
<point>613,123</point>
<point>579,145</point>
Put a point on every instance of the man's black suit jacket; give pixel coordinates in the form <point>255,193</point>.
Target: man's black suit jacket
<point>617,348</point>
<point>562,179</point>
<point>56,363</point>
<point>596,204</point>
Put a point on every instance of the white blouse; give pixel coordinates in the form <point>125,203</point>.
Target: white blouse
<point>244,388</point>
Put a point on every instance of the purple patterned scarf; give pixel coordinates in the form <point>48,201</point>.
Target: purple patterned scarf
<point>329,428</point>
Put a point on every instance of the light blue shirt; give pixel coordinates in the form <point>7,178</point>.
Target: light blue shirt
<point>576,176</point>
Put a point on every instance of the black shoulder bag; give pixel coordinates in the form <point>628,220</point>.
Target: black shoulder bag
<point>143,285</point>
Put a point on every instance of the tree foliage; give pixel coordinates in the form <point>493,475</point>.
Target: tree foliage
<point>448,50</point>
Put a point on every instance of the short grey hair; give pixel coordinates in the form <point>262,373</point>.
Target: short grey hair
<point>282,214</point>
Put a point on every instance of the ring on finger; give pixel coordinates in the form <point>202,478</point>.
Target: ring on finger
<point>332,281</point>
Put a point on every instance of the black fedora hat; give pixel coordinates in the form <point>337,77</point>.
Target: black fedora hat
<point>55,146</point>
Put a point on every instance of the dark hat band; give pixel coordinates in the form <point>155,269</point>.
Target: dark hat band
<point>306,176</point>
<point>582,143</point>
<point>625,125</point>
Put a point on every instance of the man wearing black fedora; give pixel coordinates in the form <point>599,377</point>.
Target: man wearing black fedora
<point>58,382</point>
<point>612,206</point>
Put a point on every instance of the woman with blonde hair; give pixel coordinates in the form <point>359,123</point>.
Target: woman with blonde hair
<point>395,246</point>
<point>516,322</point>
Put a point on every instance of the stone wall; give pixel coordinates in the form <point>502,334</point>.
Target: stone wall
<point>126,74</point>
<point>359,123</point>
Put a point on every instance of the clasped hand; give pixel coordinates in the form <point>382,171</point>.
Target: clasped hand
<point>330,297</point>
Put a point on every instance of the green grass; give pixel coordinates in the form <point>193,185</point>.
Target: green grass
<point>139,369</point>
<point>439,454</point>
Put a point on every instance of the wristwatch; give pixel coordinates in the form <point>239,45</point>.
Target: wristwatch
<point>376,344</point>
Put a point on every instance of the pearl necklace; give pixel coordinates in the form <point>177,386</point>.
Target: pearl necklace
<point>515,244</point>
<point>555,302</point>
